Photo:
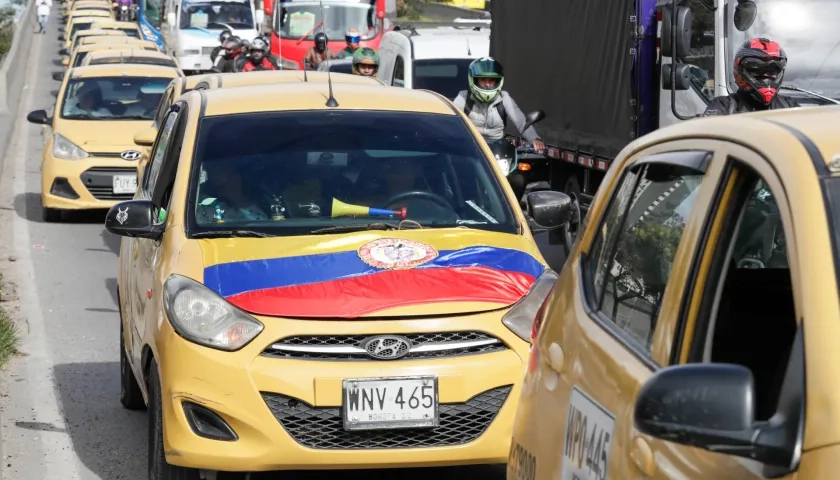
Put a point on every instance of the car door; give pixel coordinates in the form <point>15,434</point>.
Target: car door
<point>613,308</point>
<point>386,59</point>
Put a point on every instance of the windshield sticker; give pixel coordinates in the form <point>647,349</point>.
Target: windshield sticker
<point>199,20</point>
<point>396,253</point>
<point>482,212</point>
<point>301,23</point>
<point>589,434</point>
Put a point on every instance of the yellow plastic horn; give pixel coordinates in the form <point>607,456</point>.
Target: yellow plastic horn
<point>341,209</point>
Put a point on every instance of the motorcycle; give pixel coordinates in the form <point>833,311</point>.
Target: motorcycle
<point>124,15</point>
<point>521,163</point>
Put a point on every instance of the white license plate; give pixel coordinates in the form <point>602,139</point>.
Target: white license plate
<point>125,184</point>
<point>589,435</point>
<point>389,403</point>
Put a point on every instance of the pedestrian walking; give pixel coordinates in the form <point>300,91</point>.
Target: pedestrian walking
<point>43,14</point>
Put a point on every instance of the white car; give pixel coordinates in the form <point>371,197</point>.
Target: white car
<point>434,59</point>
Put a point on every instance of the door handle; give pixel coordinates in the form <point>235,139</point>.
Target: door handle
<point>642,456</point>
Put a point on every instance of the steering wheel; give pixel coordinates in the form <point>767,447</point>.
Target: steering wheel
<point>421,194</point>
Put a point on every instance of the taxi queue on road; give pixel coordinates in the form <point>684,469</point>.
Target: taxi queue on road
<point>352,283</point>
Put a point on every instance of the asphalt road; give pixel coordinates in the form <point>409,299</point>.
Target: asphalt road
<point>61,417</point>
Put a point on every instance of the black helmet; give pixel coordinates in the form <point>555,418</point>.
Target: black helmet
<point>224,35</point>
<point>321,41</point>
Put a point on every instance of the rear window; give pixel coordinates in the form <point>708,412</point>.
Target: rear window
<point>79,58</point>
<point>79,26</point>
<point>444,76</point>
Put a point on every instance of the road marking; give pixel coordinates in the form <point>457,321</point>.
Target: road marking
<point>59,459</point>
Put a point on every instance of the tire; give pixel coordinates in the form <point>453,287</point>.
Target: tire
<point>131,396</point>
<point>158,468</point>
<point>50,215</point>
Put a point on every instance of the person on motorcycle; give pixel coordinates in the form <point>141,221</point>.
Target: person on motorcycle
<point>214,54</point>
<point>759,68</point>
<point>258,58</point>
<point>352,37</point>
<point>124,12</point>
<point>227,62</point>
<point>489,107</point>
<point>365,62</point>
<point>318,52</point>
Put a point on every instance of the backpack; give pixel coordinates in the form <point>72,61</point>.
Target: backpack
<point>500,107</point>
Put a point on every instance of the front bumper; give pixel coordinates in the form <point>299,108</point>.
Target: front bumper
<point>287,413</point>
<point>85,184</point>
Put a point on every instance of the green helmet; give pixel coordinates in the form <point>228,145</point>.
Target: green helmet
<point>486,68</point>
<point>367,56</point>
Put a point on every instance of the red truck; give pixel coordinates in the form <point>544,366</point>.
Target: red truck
<point>294,23</point>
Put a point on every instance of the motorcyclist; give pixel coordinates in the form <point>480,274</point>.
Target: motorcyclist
<point>352,37</point>
<point>759,69</point>
<point>489,107</point>
<point>258,59</point>
<point>365,62</point>
<point>227,62</point>
<point>318,52</point>
<point>226,33</point>
<point>124,9</point>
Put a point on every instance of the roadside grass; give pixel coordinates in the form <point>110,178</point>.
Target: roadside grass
<point>7,29</point>
<point>9,334</point>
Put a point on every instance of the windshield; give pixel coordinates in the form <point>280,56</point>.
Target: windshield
<point>342,168</point>
<point>104,33</point>
<point>446,77</point>
<point>113,98</point>
<point>299,19</point>
<point>807,31</point>
<point>131,32</point>
<point>151,10</point>
<point>79,26</point>
<point>217,15</point>
<point>79,58</point>
<point>166,62</point>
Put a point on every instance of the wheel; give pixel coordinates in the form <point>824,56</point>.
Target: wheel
<point>158,468</point>
<point>50,215</point>
<point>131,396</point>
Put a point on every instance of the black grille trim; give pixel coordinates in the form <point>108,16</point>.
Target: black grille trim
<point>99,182</point>
<point>322,428</point>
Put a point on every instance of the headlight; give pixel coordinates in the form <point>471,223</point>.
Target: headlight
<point>520,318</point>
<point>125,7</point>
<point>504,164</point>
<point>66,150</point>
<point>289,64</point>
<point>201,316</point>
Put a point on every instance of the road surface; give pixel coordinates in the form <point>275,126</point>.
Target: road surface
<point>61,417</point>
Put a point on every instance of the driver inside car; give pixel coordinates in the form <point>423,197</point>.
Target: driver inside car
<point>146,104</point>
<point>222,196</point>
<point>88,103</point>
<point>382,179</point>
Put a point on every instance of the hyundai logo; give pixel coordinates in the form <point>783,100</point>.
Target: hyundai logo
<point>131,155</point>
<point>387,347</point>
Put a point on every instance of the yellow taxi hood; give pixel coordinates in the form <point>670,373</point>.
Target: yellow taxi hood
<point>372,274</point>
<point>108,136</point>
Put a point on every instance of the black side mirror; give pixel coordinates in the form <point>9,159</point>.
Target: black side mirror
<point>58,76</point>
<point>744,15</point>
<point>532,118</point>
<point>38,117</point>
<point>133,218</point>
<point>683,78</point>
<point>549,209</point>
<point>64,51</point>
<point>683,28</point>
<point>709,406</point>
<point>62,37</point>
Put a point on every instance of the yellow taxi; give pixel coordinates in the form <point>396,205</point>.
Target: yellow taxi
<point>75,25</point>
<point>82,51</point>
<point>86,4</point>
<point>332,297</point>
<point>88,11</point>
<point>129,55</point>
<point>89,160</point>
<point>77,39</point>
<point>674,342</point>
<point>117,39</point>
<point>131,29</point>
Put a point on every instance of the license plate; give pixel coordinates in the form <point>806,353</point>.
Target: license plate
<point>125,184</point>
<point>390,403</point>
<point>589,434</point>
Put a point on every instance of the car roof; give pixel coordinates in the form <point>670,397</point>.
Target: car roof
<point>124,70</point>
<point>100,47</point>
<point>95,32</point>
<point>130,56</point>
<point>111,23</point>
<point>312,96</point>
<point>127,51</point>
<point>84,12</point>
<point>116,40</point>
<point>287,76</point>
<point>447,42</point>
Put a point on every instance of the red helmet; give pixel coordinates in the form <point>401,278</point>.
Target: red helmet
<point>759,68</point>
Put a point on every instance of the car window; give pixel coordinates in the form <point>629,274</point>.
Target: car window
<point>159,152</point>
<point>337,168</point>
<point>79,26</point>
<point>399,72</point>
<point>761,243</point>
<point>633,251</point>
<point>163,107</point>
<point>113,98</point>
<point>80,56</point>
<point>444,76</point>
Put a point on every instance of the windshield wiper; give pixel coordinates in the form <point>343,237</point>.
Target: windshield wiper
<point>808,92</point>
<point>230,233</point>
<point>356,228</point>
<point>132,117</point>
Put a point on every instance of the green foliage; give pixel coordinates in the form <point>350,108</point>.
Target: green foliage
<point>8,335</point>
<point>7,29</point>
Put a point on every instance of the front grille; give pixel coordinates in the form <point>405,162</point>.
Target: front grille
<point>350,347</point>
<point>323,427</point>
<point>105,154</point>
<point>99,182</point>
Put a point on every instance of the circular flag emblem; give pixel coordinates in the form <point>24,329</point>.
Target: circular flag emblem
<point>396,253</point>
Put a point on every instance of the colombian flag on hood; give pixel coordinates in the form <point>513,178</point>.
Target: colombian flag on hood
<point>369,273</point>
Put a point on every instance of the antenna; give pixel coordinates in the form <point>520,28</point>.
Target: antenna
<point>331,102</point>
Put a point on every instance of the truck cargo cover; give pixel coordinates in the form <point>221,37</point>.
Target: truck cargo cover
<point>572,60</point>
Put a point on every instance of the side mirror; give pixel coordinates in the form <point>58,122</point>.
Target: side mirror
<point>549,209</point>
<point>744,15</point>
<point>532,118</point>
<point>65,61</point>
<point>171,18</point>
<point>58,76</point>
<point>38,117</point>
<point>683,28</point>
<point>64,51</point>
<point>145,137</point>
<point>62,37</point>
<point>133,218</point>
<point>260,17</point>
<point>683,79</point>
<point>708,406</point>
